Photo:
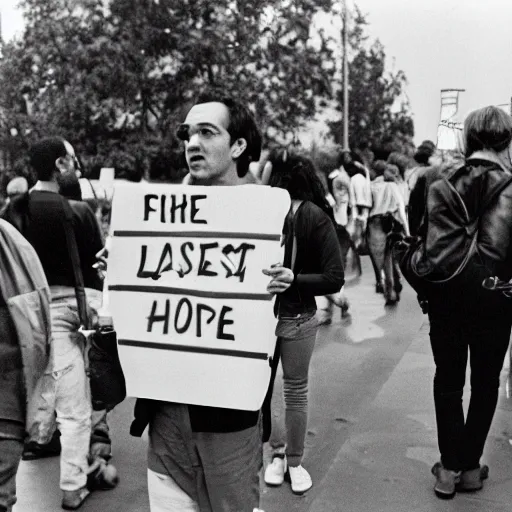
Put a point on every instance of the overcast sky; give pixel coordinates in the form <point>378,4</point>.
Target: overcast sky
<point>439,44</point>
<point>442,44</point>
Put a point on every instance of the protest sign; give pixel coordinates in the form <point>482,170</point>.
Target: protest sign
<point>188,298</point>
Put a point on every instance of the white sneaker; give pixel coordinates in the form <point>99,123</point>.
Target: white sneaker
<point>274,474</point>
<point>300,480</point>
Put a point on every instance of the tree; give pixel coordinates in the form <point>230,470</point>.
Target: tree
<point>378,108</point>
<point>116,79</point>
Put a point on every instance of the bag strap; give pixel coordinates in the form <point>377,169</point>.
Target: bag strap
<point>495,193</point>
<point>83,310</point>
<point>473,247</point>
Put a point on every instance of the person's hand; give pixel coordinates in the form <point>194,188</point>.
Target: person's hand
<point>282,278</point>
<point>101,264</point>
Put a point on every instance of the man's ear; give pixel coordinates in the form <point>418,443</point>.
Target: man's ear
<point>61,164</point>
<point>238,147</point>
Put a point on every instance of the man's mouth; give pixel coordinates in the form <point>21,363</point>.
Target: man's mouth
<point>196,158</point>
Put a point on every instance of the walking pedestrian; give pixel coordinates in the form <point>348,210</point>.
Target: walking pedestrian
<point>64,399</point>
<point>202,458</point>
<point>465,317</point>
<point>312,252</point>
<point>387,215</point>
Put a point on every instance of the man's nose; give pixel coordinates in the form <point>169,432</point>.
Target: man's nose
<point>193,142</point>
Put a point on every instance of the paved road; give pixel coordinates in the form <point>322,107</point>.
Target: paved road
<point>353,360</point>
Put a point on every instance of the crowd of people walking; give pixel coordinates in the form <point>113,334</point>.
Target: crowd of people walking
<point>208,459</point>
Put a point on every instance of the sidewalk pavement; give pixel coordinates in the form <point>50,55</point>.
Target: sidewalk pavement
<point>384,466</point>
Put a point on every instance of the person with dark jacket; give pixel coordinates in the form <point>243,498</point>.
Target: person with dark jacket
<point>40,217</point>
<point>466,317</point>
<point>312,251</point>
<point>203,458</point>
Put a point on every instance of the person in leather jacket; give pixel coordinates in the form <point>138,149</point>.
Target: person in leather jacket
<point>467,319</point>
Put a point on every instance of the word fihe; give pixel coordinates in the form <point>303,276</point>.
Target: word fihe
<point>170,206</point>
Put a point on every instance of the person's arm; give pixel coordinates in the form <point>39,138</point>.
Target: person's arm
<point>322,243</point>
<point>401,207</point>
<point>90,242</point>
<point>417,205</point>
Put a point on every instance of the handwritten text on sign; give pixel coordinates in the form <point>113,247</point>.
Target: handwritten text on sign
<point>195,323</point>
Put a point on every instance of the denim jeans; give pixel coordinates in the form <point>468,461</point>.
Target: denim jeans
<point>296,337</point>
<point>64,390</point>
<point>10,456</point>
<point>485,333</point>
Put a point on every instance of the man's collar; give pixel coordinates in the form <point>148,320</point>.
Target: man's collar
<point>46,186</point>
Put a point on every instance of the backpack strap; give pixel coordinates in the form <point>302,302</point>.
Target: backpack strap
<point>473,247</point>
<point>495,193</point>
<point>83,310</point>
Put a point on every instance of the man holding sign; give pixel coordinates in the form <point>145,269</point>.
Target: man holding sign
<point>203,458</point>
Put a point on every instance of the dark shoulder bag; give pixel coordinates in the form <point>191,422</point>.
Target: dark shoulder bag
<point>108,387</point>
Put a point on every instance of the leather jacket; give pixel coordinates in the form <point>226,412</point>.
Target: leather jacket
<point>495,226</point>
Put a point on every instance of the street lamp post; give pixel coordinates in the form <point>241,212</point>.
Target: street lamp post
<point>344,33</point>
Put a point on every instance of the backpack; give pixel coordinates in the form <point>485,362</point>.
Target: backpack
<point>450,234</point>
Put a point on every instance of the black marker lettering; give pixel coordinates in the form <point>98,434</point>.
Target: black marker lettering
<point>203,262</point>
<point>221,335</point>
<point>166,253</point>
<point>181,206</point>
<point>163,198</point>
<point>243,248</point>
<point>200,309</point>
<point>153,317</point>
<point>181,330</point>
<point>184,254</point>
<point>194,209</point>
<point>144,274</point>
<point>147,206</point>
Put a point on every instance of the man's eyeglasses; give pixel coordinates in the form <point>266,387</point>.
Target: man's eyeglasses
<point>75,160</point>
<point>205,131</point>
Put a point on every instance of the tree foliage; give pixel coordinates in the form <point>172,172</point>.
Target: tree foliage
<point>378,109</point>
<point>116,77</point>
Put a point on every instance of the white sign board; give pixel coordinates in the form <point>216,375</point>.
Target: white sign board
<point>188,298</point>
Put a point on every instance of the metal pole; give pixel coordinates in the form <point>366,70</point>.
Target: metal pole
<point>345,75</point>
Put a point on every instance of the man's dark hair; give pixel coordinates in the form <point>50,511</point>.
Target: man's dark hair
<point>242,125</point>
<point>379,166</point>
<point>43,155</point>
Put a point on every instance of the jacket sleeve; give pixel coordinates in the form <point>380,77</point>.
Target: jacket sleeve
<point>417,205</point>
<point>322,245</point>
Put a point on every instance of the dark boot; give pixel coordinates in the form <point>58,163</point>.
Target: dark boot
<point>33,451</point>
<point>446,481</point>
<point>473,479</point>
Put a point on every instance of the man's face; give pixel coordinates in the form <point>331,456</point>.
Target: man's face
<point>70,162</point>
<point>208,148</point>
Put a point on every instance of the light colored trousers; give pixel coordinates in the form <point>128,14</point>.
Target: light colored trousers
<point>297,337</point>
<point>165,495</point>
<point>64,390</point>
